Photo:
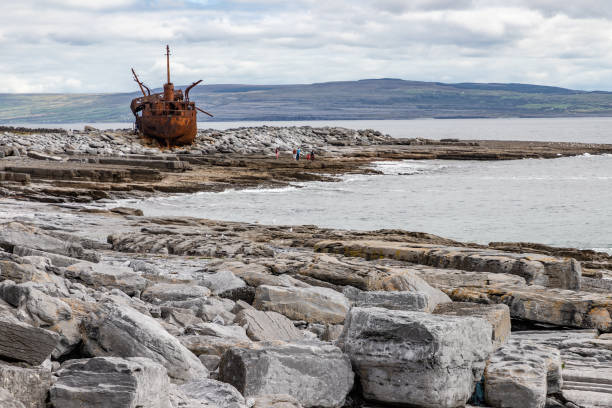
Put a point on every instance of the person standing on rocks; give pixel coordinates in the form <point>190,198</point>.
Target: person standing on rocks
<point>312,155</point>
<point>277,152</point>
<point>297,155</point>
<point>294,153</point>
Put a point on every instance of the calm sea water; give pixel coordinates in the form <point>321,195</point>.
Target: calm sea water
<point>562,202</point>
<point>586,130</point>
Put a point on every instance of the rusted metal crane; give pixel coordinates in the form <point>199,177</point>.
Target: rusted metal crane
<point>169,116</point>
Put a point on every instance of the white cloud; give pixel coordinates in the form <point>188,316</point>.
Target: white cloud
<point>71,45</point>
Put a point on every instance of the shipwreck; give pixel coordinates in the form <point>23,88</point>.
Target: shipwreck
<point>169,116</point>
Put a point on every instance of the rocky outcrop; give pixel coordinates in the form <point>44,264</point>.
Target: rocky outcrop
<point>118,330</point>
<point>317,375</point>
<point>111,382</point>
<point>209,393</point>
<point>315,305</point>
<point>108,276</point>
<point>537,269</point>
<point>415,358</point>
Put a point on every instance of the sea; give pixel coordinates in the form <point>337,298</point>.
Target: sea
<point>561,202</point>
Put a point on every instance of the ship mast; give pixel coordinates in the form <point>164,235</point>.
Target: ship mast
<point>168,62</point>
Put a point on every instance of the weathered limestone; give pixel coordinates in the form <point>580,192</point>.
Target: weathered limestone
<point>42,308</point>
<point>111,382</point>
<point>497,315</point>
<point>535,303</point>
<point>109,276</point>
<point>414,301</point>
<point>521,374</point>
<point>262,326</point>
<point>415,358</point>
<point>14,234</point>
<point>170,292</point>
<point>29,386</point>
<point>408,281</point>
<point>276,401</point>
<point>22,342</point>
<point>317,375</point>
<point>538,269</point>
<point>215,393</point>
<point>8,401</point>
<point>314,304</point>
<point>221,281</point>
<point>118,330</point>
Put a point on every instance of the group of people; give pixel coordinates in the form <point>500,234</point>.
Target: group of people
<point>297,153</point>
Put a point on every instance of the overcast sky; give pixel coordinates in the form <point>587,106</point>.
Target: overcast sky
<point>89,45</point>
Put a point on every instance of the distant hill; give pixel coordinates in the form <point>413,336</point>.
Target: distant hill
<point>366,99</point>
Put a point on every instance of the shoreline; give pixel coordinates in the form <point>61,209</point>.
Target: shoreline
<point>199,303</point>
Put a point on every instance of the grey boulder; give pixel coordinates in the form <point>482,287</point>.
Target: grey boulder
<point>111,382</point>
<point>208,392</point>
<point>262,326</point>
<point>99,275</point>
<point>119,330</point>
<point>415,358</point>
<point>221,281</point>
<point>170,292</point>
<point>22,342</point>
<point>313,304</point>
<point>399,300</point>
<point>29,386</point>
<point>315,374</point>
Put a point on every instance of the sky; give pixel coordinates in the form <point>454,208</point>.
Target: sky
<point>90,46</point>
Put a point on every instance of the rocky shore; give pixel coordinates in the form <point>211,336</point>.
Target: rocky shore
<point>108,308</point>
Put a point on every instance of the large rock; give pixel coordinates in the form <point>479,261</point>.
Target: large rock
<point>535,268</point>
<point>314,305</point>
<point>409,281</point>
<point>262,326</point>
<point>317,375</point>
<point>169,292</point>
<point>413,301</point>
<point>415,358</point>
<point>497,315</point>
<point>221,281</point>
<point>42,308</point>
<point>22,342</point>
<point>521,374</point>
<point>119,330</point>
<point>106,275</point>
<point>111,382</point>
<point>29,386</point>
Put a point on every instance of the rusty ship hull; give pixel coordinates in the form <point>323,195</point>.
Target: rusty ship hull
<point>169,116</point>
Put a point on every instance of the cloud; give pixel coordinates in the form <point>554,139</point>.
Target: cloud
<point>71,45</point>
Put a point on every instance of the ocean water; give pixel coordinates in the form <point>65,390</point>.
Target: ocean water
<point>586,130</point>
<point>561,202</point>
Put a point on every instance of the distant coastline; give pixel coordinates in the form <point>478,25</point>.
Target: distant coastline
<point>371,99</point>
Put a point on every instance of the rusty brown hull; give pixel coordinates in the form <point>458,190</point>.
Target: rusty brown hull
<point>170,130</point>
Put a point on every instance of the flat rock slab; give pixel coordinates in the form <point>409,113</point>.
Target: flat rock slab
<point>100,275</point>
<point>29,386</point>
<point>314,304</point>
<point>111,382</point>
<point>22,342</point>
<point>170,292</point>
<point>416,358</point>
<point>265,326</point>
<point>276,401</point>
<point>119,330</point>
<point>521,374</point>
<point>316,375</point>
<point>497,315</point>
<point>535,268</point>
<point>403,300</point>
<point>559,307</point>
